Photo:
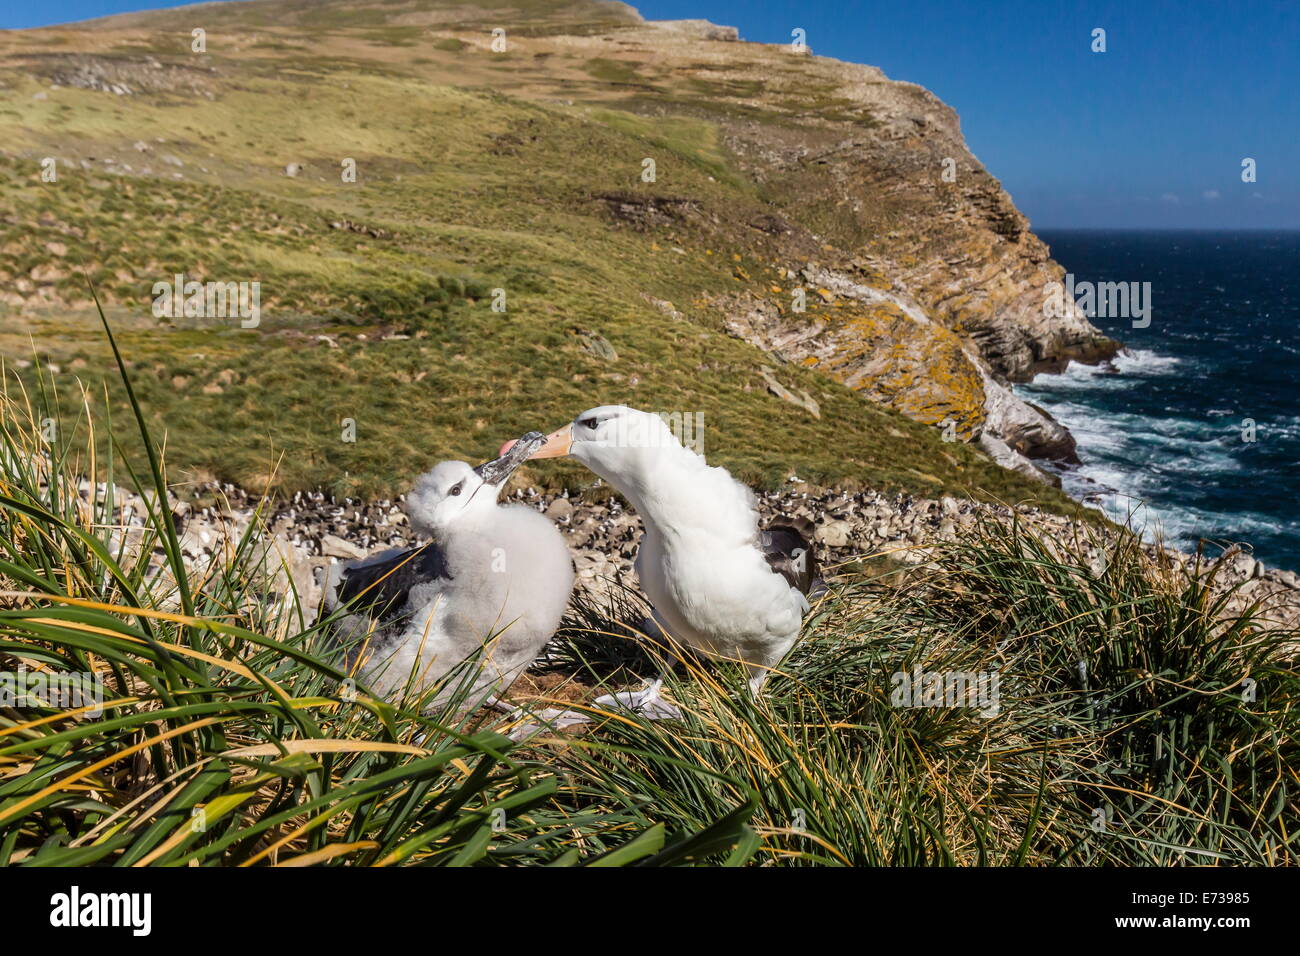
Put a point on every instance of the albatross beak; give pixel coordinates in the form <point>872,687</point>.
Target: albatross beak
<point>513,454</point>
<point>555,445</point>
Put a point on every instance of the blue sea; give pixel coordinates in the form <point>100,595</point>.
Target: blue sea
<point>1162,429</point>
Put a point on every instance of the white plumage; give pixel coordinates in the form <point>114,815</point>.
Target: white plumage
<point>716,581</point>
<point>490,589</point>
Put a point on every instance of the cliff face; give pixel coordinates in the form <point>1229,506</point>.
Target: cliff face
<point>906,193</point>
<point>938,281</point>
<point>813,209</point>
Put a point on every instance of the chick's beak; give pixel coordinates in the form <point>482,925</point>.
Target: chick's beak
<point>557,444</point>
<point>513,454</point>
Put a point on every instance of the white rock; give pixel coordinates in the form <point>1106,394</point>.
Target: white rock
<point>335,547</point>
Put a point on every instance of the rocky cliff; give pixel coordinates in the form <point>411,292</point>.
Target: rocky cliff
<point>938,280</point>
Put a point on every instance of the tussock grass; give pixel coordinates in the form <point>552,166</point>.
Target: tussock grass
<point>1137,722</point>
<point>228,735</point>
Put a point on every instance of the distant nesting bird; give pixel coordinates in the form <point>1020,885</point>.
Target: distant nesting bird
<point>494,581</point>
<point>717,582</point>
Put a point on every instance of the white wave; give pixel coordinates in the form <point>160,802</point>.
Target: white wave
<point>1206,464</point>
<point>1123,371</point>
<point>1161,472</point>
<point>1145,362</point>
<point>1173,525</point>
<point>1287,427</point>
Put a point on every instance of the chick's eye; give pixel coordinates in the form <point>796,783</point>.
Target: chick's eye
<point>455,489</point>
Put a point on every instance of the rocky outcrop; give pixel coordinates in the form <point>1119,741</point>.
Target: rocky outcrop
<point>1027,429</point>
<point>938,283</point>
<point>700,29</point>
<point>907,192</point>
<point>882,342</point>
<point>122,76</point>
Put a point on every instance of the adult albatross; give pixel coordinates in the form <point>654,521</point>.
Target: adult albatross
<point>717,582</point>
<point>489,590</point>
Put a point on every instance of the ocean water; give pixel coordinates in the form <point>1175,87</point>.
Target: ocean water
<point>1161,430</point>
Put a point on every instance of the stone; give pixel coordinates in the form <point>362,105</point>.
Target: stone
<point>834,534</point>
<point>332,546</point>
<point>314,530</point>
<point>559,510</point>
<point>803,399</point>
<point>595,344</point>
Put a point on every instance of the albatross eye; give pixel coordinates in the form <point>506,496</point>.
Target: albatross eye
<point>591,423</point>
<point>455,489</point>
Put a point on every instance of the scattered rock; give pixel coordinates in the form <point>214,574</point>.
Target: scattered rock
<point>309,530</point>
<point>803,399</point>
<point>664,306</point>
<point>560,510</point>
<point>645,211</point>
<point>595,343</point>
<point>834,534</point>
<point>700,30</point>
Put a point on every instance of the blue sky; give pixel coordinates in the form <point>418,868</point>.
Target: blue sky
<point>1151,133</point>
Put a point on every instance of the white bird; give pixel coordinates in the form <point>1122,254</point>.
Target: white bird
<point>490,589</point>
<point>717,582</point>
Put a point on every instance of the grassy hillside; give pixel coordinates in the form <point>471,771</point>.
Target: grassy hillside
<point>376,295</point>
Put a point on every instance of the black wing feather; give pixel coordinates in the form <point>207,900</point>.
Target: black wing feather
<point>787,546</point>
<point>382,588</point>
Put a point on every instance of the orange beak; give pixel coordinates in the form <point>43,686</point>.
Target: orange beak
<point>557,444</point>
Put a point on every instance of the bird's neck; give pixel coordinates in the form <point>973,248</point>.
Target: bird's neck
<point>662,484</point>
